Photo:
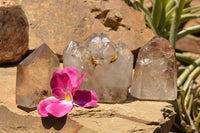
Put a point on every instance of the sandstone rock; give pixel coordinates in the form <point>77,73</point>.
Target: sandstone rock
<point>189,43</point>
<point>155,72</point>
<point>108,66</point>
<point>15,123</point>
<point>33,77</point>
<point>13,33</point>
<point>58,22</point>
<point>132,116</point>
<point>8,84</point>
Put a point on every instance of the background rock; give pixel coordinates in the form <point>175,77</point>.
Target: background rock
<point>13,33</point>
<point>56,23</point>
<point>189,43</point>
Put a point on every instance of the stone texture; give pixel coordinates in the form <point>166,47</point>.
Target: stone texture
<point>13,33</point>
<point>189,43</point>
<point>193,22</point>
<point>108,66</point>
<point>132,116</point>
<point>33,77</point>
<point>155,72</point>
<point>58,22</point>
<point>20,123</point>
<point>8,84</point>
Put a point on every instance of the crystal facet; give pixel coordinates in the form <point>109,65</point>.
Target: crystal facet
<point>33,77</point>
<point>108,66</point>
<point>155,72</point>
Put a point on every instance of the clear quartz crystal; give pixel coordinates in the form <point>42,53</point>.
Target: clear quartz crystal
<point>108,66</point>
<point>101,48</point>
<point>33,77</point>
<point>155,72</point>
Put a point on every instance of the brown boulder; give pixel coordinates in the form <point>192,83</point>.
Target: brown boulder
<point>13,33</point>
<point>58,22</point>
<point>189,43</point>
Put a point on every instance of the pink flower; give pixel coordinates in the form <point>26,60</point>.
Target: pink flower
<point>64,85</point>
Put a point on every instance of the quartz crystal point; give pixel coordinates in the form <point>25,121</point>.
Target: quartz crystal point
<point>108,66</point>
<point>33,77</point>
<point>155,72</point>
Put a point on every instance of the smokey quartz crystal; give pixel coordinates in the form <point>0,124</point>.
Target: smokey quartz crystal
<point>155,73</point>
<point>33,77</point>
<point>108,66</point>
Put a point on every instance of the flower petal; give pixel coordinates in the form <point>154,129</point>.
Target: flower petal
<point>60,80</point>
<point>73,75</point>
<point>85,98</point>
<point>41,108</point>
<point>59,109</point>
<point>58,93</point>
<point>79,83</point>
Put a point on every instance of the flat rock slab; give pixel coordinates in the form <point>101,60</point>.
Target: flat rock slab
<point>56,23</point>
<point>132,116</point>
<point>15,123</point>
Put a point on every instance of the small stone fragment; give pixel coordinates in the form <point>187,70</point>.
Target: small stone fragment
<point>155,72</point>
<point>108,66</point>
<point>13,33</point>
<point>33,77</point>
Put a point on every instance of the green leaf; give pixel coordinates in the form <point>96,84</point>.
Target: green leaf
<point>195,11</point>
<point>184,58</point>
<point>175,23</point>
<point>162,19</point>
<point>187,1</point>
<point>156,12</point>
<point>186,17</point>
<point>189,9</point>
<point>148,17</point>
<point>169,14</point>
<point>187,71</point>
<point>169,5</point>
<point>188,31</point>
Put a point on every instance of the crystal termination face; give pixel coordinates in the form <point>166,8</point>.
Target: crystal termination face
<point>155,72</point>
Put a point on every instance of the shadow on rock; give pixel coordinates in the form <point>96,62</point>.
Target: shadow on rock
<point>51,121</point>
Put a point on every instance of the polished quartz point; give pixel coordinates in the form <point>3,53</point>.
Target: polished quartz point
<point>155,72</point>
<point>33,77</point>
<point>108,66</point>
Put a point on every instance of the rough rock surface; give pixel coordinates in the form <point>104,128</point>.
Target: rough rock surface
<point>108,67</point>
<point>56,23</point>
<point>18,122</point>
<point>193,22</point>
<point>33,77</point>
<point>132,116</point>
<point>13,33</point>
<point>189,43</point>
<point>155,72</point>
